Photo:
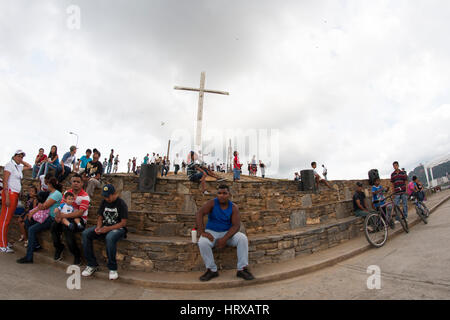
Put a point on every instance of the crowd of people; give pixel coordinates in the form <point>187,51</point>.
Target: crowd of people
<point>49,207</point>
<point>402,189</point>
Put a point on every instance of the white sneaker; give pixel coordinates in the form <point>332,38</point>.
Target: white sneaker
<point>206,192</point>
<point>113,275</point>
<point>89,271</point>
<point>6,250</point>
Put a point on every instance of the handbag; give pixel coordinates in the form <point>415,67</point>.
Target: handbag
<point>41,215</point>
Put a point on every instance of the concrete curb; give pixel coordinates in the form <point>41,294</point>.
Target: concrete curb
<point>284,275</point>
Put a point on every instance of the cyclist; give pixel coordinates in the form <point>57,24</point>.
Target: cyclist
<point>415,189</point>
<point>379,202</point>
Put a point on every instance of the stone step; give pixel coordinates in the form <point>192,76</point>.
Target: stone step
<point>145,253</point>
<point>180,223</point>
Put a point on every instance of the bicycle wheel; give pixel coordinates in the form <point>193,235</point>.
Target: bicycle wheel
<point>426,211</point>
<point>402,219</point>
<point>375,230</point>
<point>420,212</point>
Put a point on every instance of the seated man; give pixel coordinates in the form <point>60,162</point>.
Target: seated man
<point>359,203</point>
<point>222,229</point>
<point>91,176</point>
<point>198,173</point>
<point>111,226</point>
<point>317,177</point>
<point>68,164</point>
<point>80,211</point>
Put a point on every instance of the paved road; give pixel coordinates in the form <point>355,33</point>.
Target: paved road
<point>413,266</point>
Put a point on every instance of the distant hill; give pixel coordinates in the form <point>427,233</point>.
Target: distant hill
<point>439,171</point>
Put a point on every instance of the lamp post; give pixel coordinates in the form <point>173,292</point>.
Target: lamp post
<point>77,138</point>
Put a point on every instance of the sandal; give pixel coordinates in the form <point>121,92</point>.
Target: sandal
<point>21,238</point>
<point>25,244</point>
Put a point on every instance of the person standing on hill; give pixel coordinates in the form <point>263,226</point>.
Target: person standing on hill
<point>110,161</point>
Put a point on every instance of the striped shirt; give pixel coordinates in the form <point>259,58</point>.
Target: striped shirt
<point>81,203</point>
<point>399,180</point>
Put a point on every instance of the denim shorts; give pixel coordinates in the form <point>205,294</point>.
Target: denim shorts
<point>196,177</point>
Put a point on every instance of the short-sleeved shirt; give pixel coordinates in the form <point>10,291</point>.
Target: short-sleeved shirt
<point>399,180</point>
<point>113,212</point>
<point>15,177</point>
<point>65,208</point>
<point>81,202</point>
<point>145,160</point>
<point>411,187</point>
<point>361,197</point>
<point>236,164</point>
<point>68,159</point>
<point>92,168</point>
<point>377,199</point>
<point>39,159</point>
<point>84,161</point>
<point>57,196</point>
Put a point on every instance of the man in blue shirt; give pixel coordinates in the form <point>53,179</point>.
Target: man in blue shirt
<point>84,161</point>
<point>222,229</point>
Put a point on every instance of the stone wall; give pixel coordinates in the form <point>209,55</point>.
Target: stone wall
<point>280,221</point>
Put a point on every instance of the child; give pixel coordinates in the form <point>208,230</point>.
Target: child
<point>31,203</point>
<point>67,208</point>
<point>378,198</point>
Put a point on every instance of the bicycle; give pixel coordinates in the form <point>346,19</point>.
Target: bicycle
<point>421,209</point>
<point>376,223</point>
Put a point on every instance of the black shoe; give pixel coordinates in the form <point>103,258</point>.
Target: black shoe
<point>77,261</point>
<point>58,253</point>
<point>209,275</point>
<point>38,248</point>
<point>245,274</point>
<point>392,224</point>
<point>24,260</point>
<point>71,226</point>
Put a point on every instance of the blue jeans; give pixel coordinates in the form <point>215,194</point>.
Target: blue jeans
<point>404,198</point>
<point>44,168</point>
<point>108,171</point>
<point>36,169</point>
<point>238,240</point>
<point>33,228</point>
<point>67,171</point>
<point>236,174</point>
<point>110,238</point>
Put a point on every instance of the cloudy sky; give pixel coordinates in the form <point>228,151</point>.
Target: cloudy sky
<point>351,84</point>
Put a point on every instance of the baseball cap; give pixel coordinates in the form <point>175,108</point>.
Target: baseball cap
<point>108,190</point>
<point>19,152</point>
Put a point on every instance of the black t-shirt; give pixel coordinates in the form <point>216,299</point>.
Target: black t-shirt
<point>92,168</point>
<point>361,196</point>
<point>113,212</point>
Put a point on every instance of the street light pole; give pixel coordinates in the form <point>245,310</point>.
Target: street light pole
<point>77,138</point>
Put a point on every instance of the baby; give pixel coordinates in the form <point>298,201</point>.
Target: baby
<point>66,208</point>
